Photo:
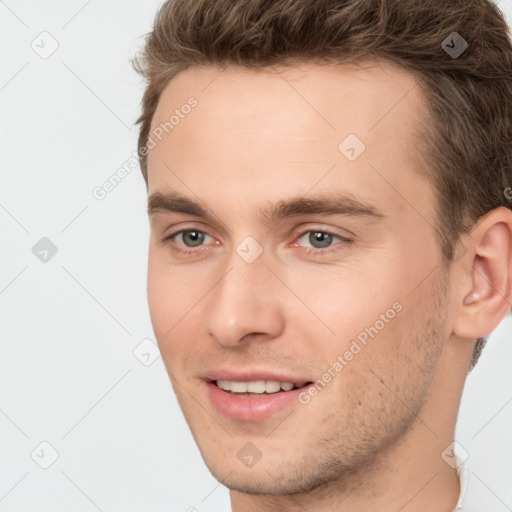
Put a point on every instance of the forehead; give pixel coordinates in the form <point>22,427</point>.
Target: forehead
<point>282,129</point>
<point>327,95</point>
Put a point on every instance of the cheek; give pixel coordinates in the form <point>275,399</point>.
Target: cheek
<point>166,297</point>
<point>164,308</point>
<point>345,302</point>
<point>174,297</point>
<point>372,325</point>
<point>158,298</point>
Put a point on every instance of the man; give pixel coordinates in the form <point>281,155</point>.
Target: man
<point>330,239</point>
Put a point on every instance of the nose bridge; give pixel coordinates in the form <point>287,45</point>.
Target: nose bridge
<point>243,301</point>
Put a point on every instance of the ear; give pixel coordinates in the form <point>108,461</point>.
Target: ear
<point>483,291</point>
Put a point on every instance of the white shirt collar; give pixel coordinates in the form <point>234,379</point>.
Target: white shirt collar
<point>463,473</point>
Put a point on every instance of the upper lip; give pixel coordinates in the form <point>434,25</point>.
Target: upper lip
<point>250,375</point>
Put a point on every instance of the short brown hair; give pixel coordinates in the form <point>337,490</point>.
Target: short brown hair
<point>466,142</point>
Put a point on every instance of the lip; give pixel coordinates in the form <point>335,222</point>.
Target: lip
<point>244,408</point>
<point>251,375</point>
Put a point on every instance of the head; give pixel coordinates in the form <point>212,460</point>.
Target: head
<point>332,189</point>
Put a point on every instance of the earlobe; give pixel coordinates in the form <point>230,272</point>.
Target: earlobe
<point>485,305</point>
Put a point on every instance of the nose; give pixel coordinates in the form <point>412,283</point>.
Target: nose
<point>245,304</point>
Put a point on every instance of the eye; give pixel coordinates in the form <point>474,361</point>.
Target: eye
<point>190,237</point>
<point>318,240</point>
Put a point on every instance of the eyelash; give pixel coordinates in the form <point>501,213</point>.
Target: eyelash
<point>310,251</point>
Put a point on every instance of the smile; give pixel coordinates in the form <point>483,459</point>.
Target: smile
<point>255,400</point>
<point>257,387</point>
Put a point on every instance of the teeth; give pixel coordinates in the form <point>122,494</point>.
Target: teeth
<point>257,386</point>
<point>238,387</point>
<point>272,386</point>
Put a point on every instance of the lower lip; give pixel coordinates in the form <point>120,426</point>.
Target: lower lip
<point>246,408</point>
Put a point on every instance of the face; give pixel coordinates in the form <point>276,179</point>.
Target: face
<point>283,252</point>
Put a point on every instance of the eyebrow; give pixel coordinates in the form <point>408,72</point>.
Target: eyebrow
<point>327,204</point>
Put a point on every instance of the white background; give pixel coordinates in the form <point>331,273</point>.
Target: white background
<point>68,374</point>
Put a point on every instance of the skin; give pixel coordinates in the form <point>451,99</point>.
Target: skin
<point>372,439</point>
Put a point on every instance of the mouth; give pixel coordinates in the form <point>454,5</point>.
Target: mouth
<point>257,388</point>
<point>253,400</point>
